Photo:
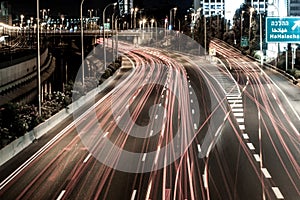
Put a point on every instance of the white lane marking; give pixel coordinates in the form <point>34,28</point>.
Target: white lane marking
<point>148,190</point>
<point>238,114</point>
<point>266,172</point>
<point>193,111</point>
<point>234,97</point>
<point>144,157</point>
<point>151,132</point>
<point>133,195</point>
<point>127,106</point>
<point>160,105</point>
<point>282,110</point>
<point>237,110</point>
<point>237,105</point>
<point>191,92</point>
<point>240,120</point>
<point>199,147</point>
<point>274,96</point>
<point>190,86</point>
<point>157,154</point>
<point>195,126</point>
<point>105,134</point>
<point>118,118</point>
<point>156,116</point>
<point>250,146</point>
<point>61,194</point>
<point>277,193</point>
<point>192,101</point>
<point>242,127</point>
<point>257,158</point>
<point>245,136</point>
<point>205,178</point>
<point>87,158</point>
<point>235,101</point>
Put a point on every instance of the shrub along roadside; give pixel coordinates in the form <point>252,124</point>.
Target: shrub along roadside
<point>16,118</point>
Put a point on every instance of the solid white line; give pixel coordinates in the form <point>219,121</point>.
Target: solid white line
<point>250,146</point>
<point>144,157</point>
<point>277,193</point>
<point>87,158</point>
<point>238,114</point>
<point>61,194</point>
<point>266,173</point>
<point>242,127</point>
<point>245,136</point>
<point>240,120</point>
<point>133,195</point>
<point>257,158</point>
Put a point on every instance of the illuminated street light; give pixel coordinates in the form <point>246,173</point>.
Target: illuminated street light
<point>250,22</point>
<point>135,11</point>
<point>82,48</point>
<point>171,24</point>
<point>91,12</point>
<point>103,19</point>
<point>21,24</point>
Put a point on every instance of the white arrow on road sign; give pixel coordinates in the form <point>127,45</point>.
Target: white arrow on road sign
<point>297,24</point>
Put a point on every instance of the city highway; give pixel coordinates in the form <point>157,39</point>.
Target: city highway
<point>271,122</point>
<point>167,128</point>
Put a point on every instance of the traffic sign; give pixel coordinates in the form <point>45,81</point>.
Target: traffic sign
<point>244,41</point>
<point>106,26</point>
<point>283,29</point>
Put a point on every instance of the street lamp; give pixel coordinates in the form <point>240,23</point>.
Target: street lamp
<point>171,25</point>
<point>131,13</point>
<point>242,26</point>
<point>38,57</point>
<point>21,24</point>
<point>90,11</point>
<point>135,11</point>
<point>103,19</point>
<point>82,51</point>
<point>250,21</point>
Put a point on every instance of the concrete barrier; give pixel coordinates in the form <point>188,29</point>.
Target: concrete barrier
<point>12,149</point>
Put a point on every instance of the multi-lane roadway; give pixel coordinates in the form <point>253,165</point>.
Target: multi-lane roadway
<point>169,126</point>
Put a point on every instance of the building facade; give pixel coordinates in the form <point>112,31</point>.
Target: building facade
<point>5,13</point>
<point>294,7</point>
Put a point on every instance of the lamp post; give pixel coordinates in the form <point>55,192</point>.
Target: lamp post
<point>38,57</point>
<point>103,20</point>
<point>260,38</point>
<point>21,24</point>
<point>242,26</point>
<point>131,14</point>
<point>250,22</point>
<point>286,58</point>
<point>135,11</point>
<point>82,48</point>
<point>90,12</point>
<point>175,8</point>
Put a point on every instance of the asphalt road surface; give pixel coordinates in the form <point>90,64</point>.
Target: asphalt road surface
<point>169,126</point>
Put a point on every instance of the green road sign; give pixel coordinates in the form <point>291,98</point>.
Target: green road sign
<point>244,41</point>
<point>283,29</point>
<point>106,26</point>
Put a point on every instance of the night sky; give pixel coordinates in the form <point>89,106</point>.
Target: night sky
<point>72,7</point>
